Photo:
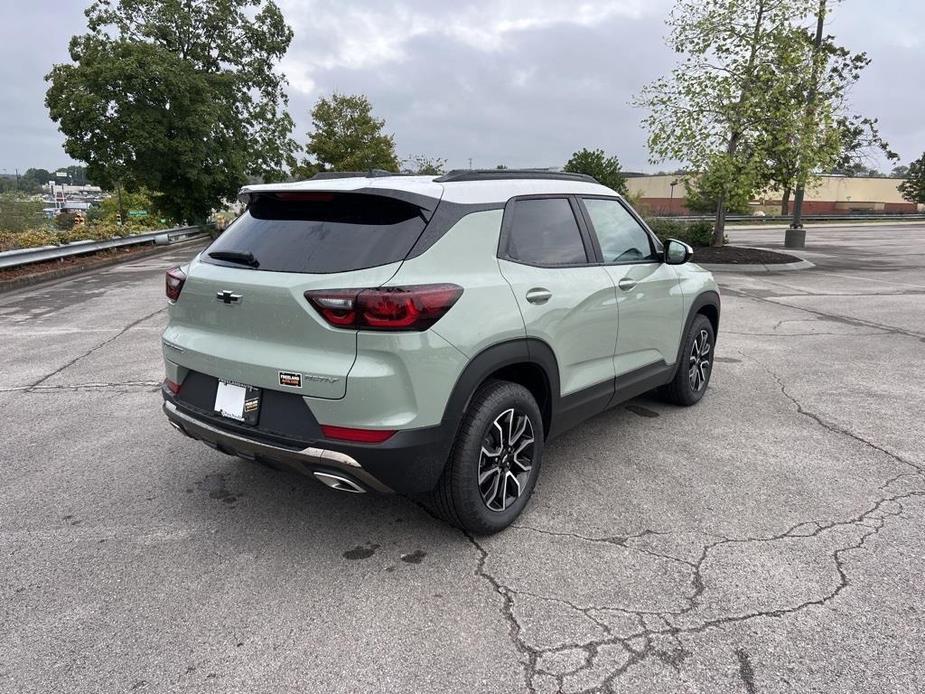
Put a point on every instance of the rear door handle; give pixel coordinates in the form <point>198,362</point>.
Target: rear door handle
<point>626,284</point>
<point>539,295</point>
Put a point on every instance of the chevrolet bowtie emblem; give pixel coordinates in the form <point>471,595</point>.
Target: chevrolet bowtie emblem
<point>227,297</point>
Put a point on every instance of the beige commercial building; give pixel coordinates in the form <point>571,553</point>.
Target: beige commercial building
<point>667,194</point>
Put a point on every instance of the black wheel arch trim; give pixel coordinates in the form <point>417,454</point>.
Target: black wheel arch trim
<point>708,298</point>
<point>522,350</point>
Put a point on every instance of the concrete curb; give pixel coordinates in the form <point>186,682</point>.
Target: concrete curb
<point>774,226</point>
<point>757,267</point>
<point>51,275</point>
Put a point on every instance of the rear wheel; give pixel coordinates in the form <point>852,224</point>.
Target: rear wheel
<point>696,364</point>
<point>495,460</point>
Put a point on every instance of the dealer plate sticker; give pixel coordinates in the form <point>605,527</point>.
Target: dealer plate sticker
<point>229,400</point>
<point>290,379</point>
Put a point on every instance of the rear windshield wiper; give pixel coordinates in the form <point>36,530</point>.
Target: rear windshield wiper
<point>242,257</point>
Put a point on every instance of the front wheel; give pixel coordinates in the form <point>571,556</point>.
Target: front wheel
<point>495,460</point>
<point>696,364</point>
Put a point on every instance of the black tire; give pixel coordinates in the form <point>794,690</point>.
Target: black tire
<point>685,388</point>
<point>458,497</point>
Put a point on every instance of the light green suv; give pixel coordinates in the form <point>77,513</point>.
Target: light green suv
<point>428,335</point>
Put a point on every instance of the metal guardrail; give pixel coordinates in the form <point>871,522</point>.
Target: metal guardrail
<point>161,237</point>
<point>777,219</point>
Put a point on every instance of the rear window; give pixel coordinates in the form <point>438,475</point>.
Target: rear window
<point>321,232</point>
<point>544,232</point>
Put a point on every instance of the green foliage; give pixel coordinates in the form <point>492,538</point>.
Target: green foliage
<point>753,101</point>
<point>19,213</point>
<point>422,165</point>
<point>606,170</point>
<point>179,96</point>
<point>347,137</point>
<point>913,187</point>
<point>65,221</point>
<point>738,187</point>
<point>32,238</point>
<point>858,137</point>
<point>696,234</point>
<point>135,200</point>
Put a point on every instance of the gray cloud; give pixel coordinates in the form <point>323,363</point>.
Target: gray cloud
<point>523,83</point>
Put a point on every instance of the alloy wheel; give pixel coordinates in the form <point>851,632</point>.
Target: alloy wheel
<point>506,459</point>
<point>699,364</point>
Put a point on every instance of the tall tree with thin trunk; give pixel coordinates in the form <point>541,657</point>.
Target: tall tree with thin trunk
<point>710,111</point>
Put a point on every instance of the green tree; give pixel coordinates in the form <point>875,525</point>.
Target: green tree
<point>913,187</point>
<point>136,200</point>
<point>598,165</point>
<point>859,138</point>
<point>179,96</point>
<point>705,189</point>
<point>824,136</point>
<point>347,137</point>
<point>20,213</point>
<point>35,178</point>
<point>711,111</point>
<point>422,165</point>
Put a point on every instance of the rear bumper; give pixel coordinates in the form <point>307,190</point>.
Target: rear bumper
<point>410,462</point>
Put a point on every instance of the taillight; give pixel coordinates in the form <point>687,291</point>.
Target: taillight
<point>175,279</point>
<point>356,435</point>
<point>415,307</point>
<point>171,386</point>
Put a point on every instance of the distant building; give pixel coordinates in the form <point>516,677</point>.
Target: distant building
<point>667,194</point>
<point>59,189</point>
<point>66,206</point>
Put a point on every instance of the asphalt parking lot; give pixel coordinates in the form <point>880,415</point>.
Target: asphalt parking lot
<point>769,539</point>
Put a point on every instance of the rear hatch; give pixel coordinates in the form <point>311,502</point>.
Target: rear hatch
<point>242,315</point>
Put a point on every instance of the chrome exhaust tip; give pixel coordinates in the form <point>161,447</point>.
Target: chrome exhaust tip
<point>341,484</point>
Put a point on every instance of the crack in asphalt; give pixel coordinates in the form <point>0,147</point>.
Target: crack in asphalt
<point>835,428</point>
<point>94,349</point>
<point>507,611</point>
<point>642,644</point>
<point>856,322</point>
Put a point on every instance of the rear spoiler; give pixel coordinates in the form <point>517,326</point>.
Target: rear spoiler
<point>425,203</point>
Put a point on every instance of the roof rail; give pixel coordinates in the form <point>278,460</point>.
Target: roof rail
<point>458,175</point>
<point>369,173</point>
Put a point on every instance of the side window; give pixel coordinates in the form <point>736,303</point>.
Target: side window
<point>621,237</point>
<point>545,232</point>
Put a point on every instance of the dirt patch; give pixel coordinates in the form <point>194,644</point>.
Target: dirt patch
<point>736,255</point>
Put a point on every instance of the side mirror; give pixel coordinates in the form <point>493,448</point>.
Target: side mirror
<point>677,252</point>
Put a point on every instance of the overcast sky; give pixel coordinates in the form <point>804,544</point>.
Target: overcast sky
<point>515,82</point>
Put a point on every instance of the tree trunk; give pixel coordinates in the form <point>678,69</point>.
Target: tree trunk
<point>797,221</point>
<point>785,202</point>
<point>719,226</point>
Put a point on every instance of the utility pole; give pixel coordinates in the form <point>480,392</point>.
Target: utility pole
<point>795,236</point>
<point>470,163</point>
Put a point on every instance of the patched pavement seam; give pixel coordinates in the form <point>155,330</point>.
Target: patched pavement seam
<point>97,347</point>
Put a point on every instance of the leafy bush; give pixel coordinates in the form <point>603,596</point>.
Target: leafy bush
<point>10,240</point>
<point>95,232</point>
<point>696,234</point>
<point>18,213</point>
<point>65,221</point>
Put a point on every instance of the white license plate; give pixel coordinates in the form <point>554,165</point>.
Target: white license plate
<point>229,400</point>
